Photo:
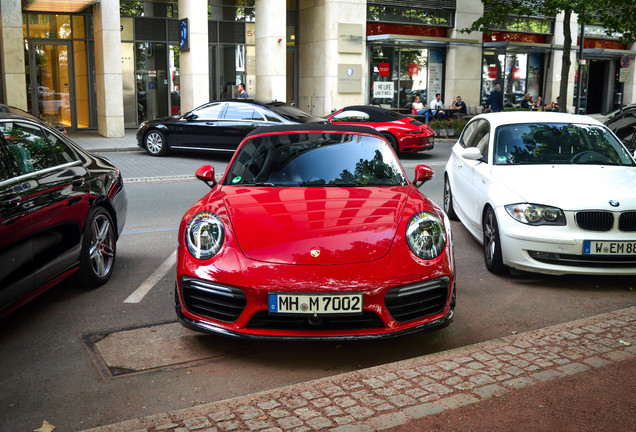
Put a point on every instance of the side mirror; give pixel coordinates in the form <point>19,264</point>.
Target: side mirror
<point>206,174</point>
<point>422,175</point>
<point>471,153</point>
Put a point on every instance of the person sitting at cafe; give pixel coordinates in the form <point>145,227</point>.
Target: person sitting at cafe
<point>417,108</point>
<point>437,107</point>
<point>525,103</point>
<point>538,105</point>
<point>459,108</point>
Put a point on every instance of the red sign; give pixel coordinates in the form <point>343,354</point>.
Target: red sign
<point>492,72</point>
<point>385,69</point>
<point>414,69</point>
<point>516,73</point>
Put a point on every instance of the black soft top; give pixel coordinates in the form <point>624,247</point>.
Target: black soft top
<point>310,128</point>
<point>377,114</point>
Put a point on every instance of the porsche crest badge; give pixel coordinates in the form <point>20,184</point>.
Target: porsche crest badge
<point>315,253</point>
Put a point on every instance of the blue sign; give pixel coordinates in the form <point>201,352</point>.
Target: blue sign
<point>184,35</point>
<point>625,61</point>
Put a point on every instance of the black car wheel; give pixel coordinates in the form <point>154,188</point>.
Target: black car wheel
<point>492,244</point>
<point>394,144</point>
<point>448,201</point>
<point>97,257</point>
<point>156,143</point>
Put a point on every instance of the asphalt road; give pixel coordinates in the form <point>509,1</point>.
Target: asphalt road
<point>82,358</point>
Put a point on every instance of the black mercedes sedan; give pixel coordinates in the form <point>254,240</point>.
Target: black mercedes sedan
<point>61,212</point>
<point>217,126</point>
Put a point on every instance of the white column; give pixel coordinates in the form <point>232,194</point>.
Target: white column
<point>271,47</point>
<point>319,56</point>
<point>629,88</point>
<point>463,62</point>
<point>12,54</point>
<point>554,75</point>
<point>110,99</point>
<point>194,64</point>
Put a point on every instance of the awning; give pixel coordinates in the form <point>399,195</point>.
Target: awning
<point>420,41</point>
<point>525,47</point>
<point>58,6</point>
<point>606,53</point>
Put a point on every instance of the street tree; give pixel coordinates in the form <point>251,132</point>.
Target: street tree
<point>618,17</point>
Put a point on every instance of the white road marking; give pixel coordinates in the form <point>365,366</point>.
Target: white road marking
<point>152,280</point>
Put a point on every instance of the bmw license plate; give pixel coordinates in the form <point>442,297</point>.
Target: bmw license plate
<point>319,304</point>
<point>594,247</point>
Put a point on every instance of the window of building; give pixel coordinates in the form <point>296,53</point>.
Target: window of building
<point>155,8</point>
<point>426,12</point>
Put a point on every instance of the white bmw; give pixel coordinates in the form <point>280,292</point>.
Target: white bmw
<point>545,192</point>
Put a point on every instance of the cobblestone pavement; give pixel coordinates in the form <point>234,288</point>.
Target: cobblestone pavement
<point>391,395</point>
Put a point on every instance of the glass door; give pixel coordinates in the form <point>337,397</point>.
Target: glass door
<point>51,81</point>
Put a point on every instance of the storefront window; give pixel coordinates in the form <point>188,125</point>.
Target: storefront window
<point>47,26</point>
<point>518,74</point>
<point>231,10</point>
<point>155,8</point>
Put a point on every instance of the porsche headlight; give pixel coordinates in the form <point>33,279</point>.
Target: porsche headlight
<point>534,214</point>
<point>425,235</point>
<point>204,235</point>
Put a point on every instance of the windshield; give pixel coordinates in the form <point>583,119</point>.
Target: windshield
<point>554,143</point>
<point>288,111</point>
<point>315,160</point>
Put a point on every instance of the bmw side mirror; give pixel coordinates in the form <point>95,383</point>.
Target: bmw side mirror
<point>472,153</point>
<point>422,175</point>
<point>206,174</point>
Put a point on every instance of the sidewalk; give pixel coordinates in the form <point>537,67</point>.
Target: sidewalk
<point>94,142</point>
<point>401,395</point>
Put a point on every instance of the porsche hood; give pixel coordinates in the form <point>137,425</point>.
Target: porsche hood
<point>315,225</point>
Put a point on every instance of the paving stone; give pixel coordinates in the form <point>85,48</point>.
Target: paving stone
<point>617,356</point>
<point>423,410</point>
<point>548,375</point>
<point>231,425</point>
<point>310,395</point>
<point>359,412</point>
<point>408,373</point>
<point>257,424</point>
<point>438,389</point>
<point>166,426</point>
<point>519,383</point>
<point>387,421</point>
<point>278,413</point>
<point>448,365</point>
<point>333,391</point>
<point>458,400</point>
<point>573,368</point>
<point>359,427</point>
<point>490,391</point>
<point>320,423</point>
<point>249,413</point>
<point>222,416</point>
<point>402,400</point>
<point>306,413</point>
<point>268,405</point>
<point>289,422</point>
<point>197,423</point>
<point>293,403</point>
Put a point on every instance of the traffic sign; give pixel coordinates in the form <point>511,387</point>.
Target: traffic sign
<point>625,61</point>
<point>624,75</point>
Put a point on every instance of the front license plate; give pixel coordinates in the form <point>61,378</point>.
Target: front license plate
<point>593,247</point>
<point>320,304</point>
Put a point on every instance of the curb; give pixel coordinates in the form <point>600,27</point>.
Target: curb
<point>390,395</point>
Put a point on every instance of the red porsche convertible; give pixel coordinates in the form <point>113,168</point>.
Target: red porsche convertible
<point>315,232</point>
<point>405,134</point>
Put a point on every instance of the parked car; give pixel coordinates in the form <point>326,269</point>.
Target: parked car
<point>604,118</point>
<point>545,192</point>
<point>61,211</point>
<point>624,126</point>
<point>13,110</point>
<point>315,232</point>
<point>218,126</point>
<point>405,134</point>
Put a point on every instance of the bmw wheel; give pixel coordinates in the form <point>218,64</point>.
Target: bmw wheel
<point>97,256</point>
<point>492,244</point>
<point>156,143</point>
<point>448,201</point>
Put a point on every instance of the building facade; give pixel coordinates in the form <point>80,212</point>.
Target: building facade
<point>111,64</point>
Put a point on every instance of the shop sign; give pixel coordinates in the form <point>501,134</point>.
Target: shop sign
<point>414,69</point>
<point>152,74</point>
<point>349,38</point>
<point>349,78</point>
<point>382,89</point>
<point>385,69</point>
<point>492,72</point>
<point>516,73</point>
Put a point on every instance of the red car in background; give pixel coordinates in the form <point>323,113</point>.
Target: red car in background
<point>315,232</point>
<point>405,134</point>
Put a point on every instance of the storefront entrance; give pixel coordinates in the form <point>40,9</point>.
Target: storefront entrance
<point>51,85</point>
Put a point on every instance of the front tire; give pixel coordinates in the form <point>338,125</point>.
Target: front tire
<point>448,201</point>
<point>97,256</point>
<point>492,244</point>
<point>156,143</point>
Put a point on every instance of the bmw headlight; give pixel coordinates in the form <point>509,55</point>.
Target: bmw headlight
<point>534,214</point>
<point>425,235</point>
<point>204,235</point>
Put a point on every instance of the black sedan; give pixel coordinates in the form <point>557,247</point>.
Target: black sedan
<point>61,212</point>
<point>624,126</point>
<point>217,126</point>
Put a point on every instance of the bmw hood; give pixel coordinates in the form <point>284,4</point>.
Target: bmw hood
<point>569,187</point>
<point>316,225</point>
